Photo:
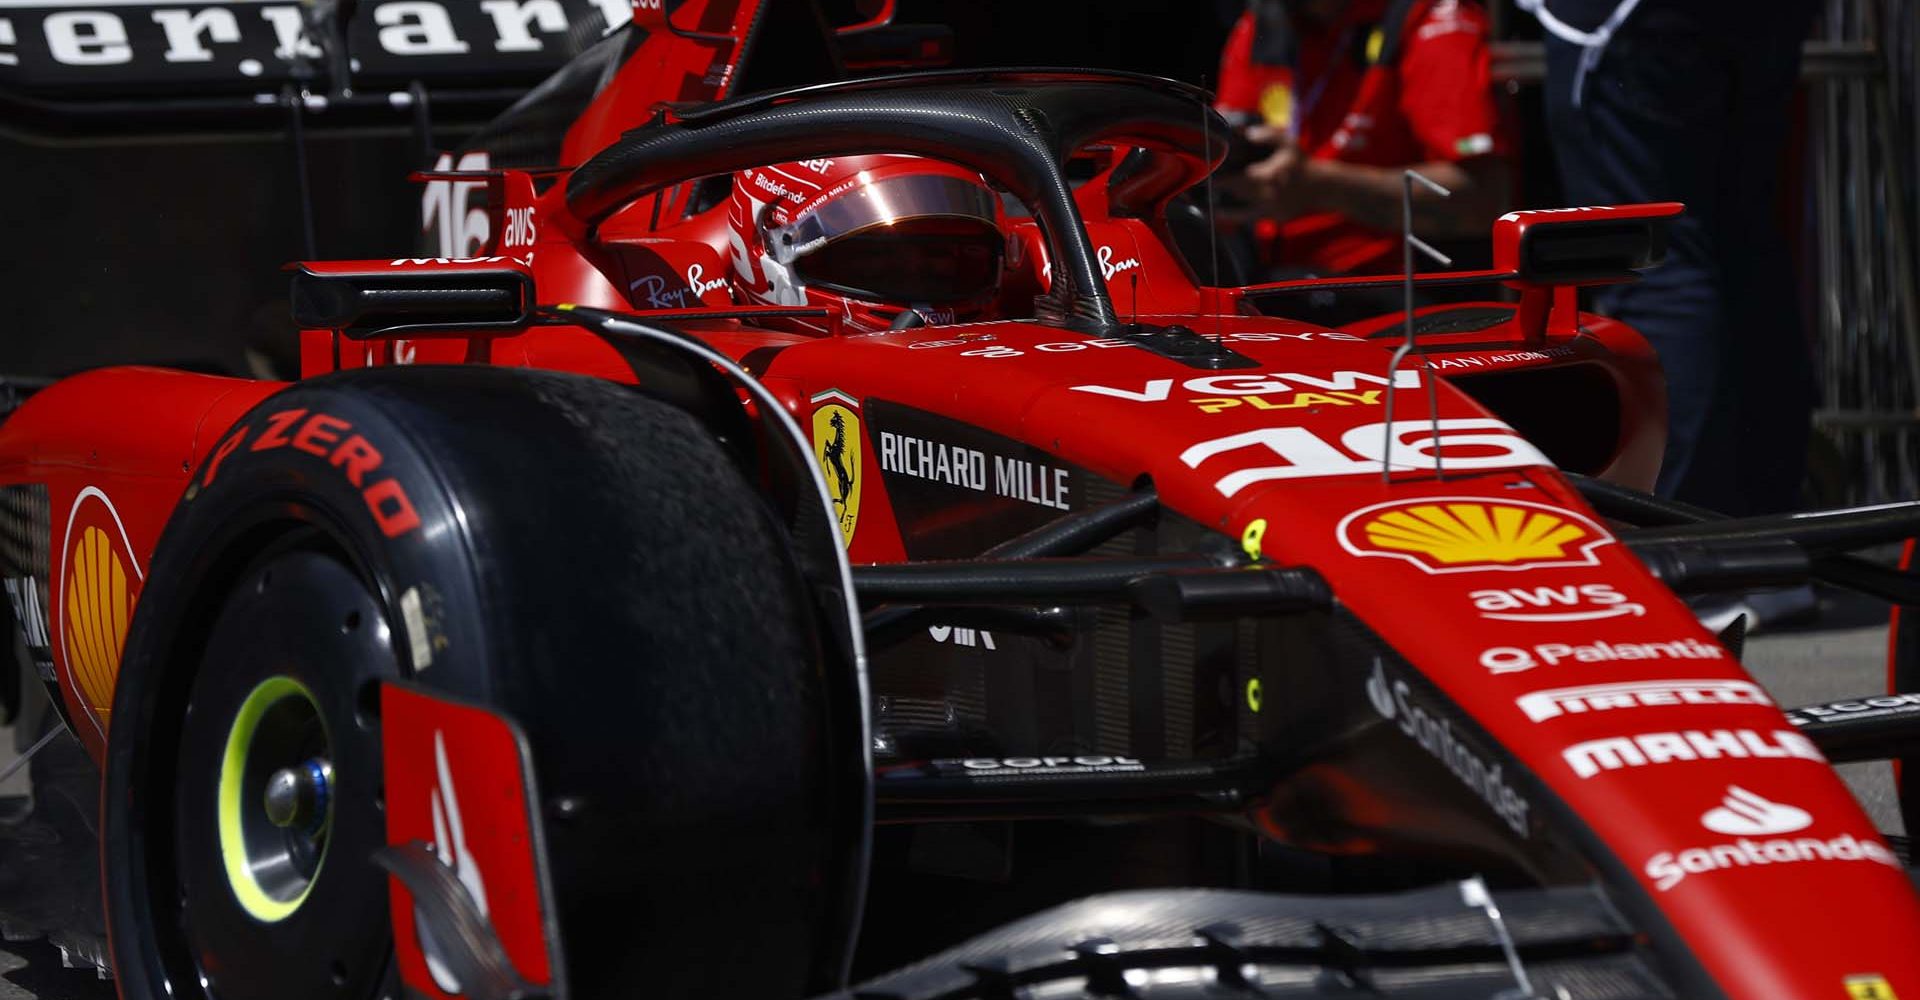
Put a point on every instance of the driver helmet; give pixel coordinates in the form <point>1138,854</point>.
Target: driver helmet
<point>890,240</point>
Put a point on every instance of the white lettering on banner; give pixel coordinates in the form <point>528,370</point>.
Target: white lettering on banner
<point>87,38</point>
<point>194,32</point>
<point>417,28</point>
<point>1615,752</point>
<point>1511,604</point>
<point>290,33</point>
<point>1308,456</point>
<point>1160,389</point>
<point>184,29</point>
<point>513,18</point>
<point>7,41</point>
<point>1745,814</point>
<point>1514,659</point>
<point>1543,705</point>
<point>1434,734</point>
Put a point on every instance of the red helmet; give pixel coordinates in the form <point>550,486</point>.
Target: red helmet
<point>890,240</point>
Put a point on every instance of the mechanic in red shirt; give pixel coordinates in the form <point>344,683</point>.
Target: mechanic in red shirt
<point>1346,94</point>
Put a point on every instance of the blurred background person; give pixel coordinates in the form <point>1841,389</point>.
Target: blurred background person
<point>1689,100</point>
<point>1336,98</point>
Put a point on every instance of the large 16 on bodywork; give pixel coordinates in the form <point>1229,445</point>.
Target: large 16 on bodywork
<point>597,682</point>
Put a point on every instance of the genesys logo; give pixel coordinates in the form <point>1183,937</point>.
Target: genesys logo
<point>1551,704</point>
<point>1463,444</point>
<point>1516,659</point>
<point>1648,749</point>
<point>1469,534</point>
<point>1572,603</point>
<point>1395,702</point>
<point>995,350</point>
<point>1747,815</point>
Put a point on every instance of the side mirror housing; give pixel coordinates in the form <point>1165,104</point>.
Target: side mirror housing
<point>1582,246</point>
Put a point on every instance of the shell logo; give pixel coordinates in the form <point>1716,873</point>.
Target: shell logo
<point>101,582</point>
<point>1465,534</point>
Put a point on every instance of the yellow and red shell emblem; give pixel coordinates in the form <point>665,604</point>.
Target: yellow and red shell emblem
<point>1460,534</point>
<point>100,582</point>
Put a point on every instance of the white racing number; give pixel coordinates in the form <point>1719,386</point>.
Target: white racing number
<point>448,216</point>
<point>1461,443</point>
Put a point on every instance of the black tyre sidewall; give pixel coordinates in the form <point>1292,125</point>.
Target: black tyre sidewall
<point>588,561</point>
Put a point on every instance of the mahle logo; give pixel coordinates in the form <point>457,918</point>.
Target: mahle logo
<point>1462,534</point>
<point>836,446</point>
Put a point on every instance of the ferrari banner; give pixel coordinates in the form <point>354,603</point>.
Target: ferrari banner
<point>95,47</point>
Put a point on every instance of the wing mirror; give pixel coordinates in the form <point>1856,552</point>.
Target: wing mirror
<point>1582,246</point>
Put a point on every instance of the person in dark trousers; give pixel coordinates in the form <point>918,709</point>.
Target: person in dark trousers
<point>1689,101</point>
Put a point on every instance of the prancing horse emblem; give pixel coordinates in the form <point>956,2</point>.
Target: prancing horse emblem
<point>836,445</point>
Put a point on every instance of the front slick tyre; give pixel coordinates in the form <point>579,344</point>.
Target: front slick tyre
<point>578,557</point>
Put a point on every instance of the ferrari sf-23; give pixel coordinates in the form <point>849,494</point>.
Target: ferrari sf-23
<point>833,525</point>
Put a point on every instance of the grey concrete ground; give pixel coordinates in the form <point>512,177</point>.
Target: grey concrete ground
<point>1797,667</point>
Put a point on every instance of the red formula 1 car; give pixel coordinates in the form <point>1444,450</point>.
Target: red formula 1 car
<point>702,592</point>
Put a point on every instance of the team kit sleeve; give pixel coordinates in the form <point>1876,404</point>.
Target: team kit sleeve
<point>1446,85</point>
<point>1237,96</point>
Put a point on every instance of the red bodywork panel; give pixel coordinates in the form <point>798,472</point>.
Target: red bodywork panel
<point>1623,705</point>
<point>458,779</point>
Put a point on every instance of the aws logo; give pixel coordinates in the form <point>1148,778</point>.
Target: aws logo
<point>100,585</point>
<point>1462,534</point>
<point>836,446</point>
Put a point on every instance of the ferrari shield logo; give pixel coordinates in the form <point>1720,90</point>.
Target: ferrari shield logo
<point>836,446</point>
<point>1461,534</point>
<point>1869,987</point>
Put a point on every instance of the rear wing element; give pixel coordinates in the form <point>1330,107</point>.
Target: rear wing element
<point>1547,254</point>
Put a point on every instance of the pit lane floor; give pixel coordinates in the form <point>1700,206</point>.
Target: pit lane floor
<point>1846,656</point>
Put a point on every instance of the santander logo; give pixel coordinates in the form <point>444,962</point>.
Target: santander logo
<point>1744,814</point>
<point>450,846</point>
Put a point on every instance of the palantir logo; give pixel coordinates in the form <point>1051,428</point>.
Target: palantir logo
<point>1744,814</point>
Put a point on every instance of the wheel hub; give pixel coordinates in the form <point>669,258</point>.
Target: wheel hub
<point>275,798</point>
<point>296,797</point>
